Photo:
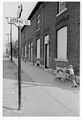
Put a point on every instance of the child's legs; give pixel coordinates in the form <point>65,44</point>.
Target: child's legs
<point>74,83</point>
<point>73,79</point>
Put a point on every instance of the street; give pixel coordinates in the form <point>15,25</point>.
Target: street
<point>42,94</point>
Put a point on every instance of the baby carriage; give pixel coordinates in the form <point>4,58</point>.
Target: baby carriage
<point>62,75</point>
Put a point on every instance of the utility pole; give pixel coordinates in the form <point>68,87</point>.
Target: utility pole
<point>11,39</point>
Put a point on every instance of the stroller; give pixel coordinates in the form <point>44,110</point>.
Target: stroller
<point>62,75</point>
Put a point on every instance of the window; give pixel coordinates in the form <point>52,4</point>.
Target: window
<point>62,43</point>
<point>22,52</point>
<point>30,51</point>
<point>47,39</point>
<point>25,51</point>
<point>61,6</point>
<point>38,48</point>
<point>38,22</point>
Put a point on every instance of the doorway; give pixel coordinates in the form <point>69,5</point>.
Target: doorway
<point>46,55</point>
<point>46,51</point>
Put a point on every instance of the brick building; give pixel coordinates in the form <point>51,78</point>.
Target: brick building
<point>53,38</point>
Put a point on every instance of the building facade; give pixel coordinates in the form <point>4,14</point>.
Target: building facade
<point>53,38</point>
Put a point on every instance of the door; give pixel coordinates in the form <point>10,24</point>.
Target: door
<point>31,52</point>
<point>46,55</point>
<point>46,51</point>
<point>25,51</point>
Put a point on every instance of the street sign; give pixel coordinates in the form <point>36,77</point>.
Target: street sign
<point>18,21</point>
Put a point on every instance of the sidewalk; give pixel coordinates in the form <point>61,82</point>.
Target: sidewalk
<point>42,76</point>
<point>39,100</point>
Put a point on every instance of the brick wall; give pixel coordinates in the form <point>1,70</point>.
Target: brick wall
<point>49,24</point>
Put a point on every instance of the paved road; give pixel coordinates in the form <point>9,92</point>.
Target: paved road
<point>46,98</point>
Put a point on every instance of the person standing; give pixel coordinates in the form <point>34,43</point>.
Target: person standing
<point>71,75</point>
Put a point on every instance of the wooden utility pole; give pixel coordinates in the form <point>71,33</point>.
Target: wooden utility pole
<point>11,40</point>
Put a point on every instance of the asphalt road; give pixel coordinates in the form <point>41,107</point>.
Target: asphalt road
<point>38,99</point>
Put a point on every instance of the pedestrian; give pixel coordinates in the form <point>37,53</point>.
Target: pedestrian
<point>71,75</point>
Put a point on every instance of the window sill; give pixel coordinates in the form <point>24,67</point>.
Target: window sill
<point>61,12</point>
<point>66,60</point>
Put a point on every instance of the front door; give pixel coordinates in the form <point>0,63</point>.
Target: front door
<point>46,51</point>
<point>46,55</point>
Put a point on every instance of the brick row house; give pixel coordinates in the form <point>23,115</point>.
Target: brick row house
<point>53,38</point>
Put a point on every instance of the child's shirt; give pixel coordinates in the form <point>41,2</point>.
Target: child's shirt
<point>71,71</point>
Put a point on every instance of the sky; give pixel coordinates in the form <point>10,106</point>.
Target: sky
<point>10,10</point>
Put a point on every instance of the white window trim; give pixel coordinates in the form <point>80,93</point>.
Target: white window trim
<point>25,50</point>
<point>61,59</point>
<point>61,12</point>
<point>39,49</point>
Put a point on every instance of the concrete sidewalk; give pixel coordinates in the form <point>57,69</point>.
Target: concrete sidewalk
<point>42,76</point>
<point>39,100</point>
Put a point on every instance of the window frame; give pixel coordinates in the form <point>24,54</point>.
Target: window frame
<point>57,58</point>
<point>59,13</point>
<point>30,46</point>
<point>38,48</point>
<point>38,22</point>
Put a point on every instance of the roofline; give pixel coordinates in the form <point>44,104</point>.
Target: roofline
<point>34,10</point>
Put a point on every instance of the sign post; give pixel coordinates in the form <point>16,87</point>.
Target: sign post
<point>19,58</point>
<point>19,23</point>
<point>19,68</point>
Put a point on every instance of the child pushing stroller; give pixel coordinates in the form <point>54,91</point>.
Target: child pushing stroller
<point>68,74</point>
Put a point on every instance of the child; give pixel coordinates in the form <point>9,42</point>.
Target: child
<point>71,75</point>
<point>60,75</point>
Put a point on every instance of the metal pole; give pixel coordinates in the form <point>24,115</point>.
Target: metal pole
<point>11,39</point>
<point>19,68</point>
